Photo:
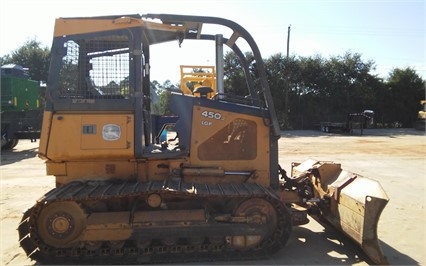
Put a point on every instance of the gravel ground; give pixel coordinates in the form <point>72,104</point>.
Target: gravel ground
<point>394,157</point>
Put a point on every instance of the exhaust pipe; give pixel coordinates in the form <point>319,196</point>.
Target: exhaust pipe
<point>219,64</point>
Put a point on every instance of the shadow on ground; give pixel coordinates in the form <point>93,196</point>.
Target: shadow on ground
<point>335,249</point>
<point>13,156</point>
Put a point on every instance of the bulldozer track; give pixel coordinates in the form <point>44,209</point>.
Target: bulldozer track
<point>130,253</point>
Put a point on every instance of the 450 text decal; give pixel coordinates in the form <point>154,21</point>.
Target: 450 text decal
<point>212,115</point>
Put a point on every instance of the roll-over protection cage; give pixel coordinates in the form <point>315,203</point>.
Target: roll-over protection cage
<point>103,64</point>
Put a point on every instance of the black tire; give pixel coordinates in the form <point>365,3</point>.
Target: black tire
<point>10,144</point>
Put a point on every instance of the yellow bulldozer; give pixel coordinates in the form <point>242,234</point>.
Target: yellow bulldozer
<point>216,193</point>
<point>195,79</point>
<point>420,123</point>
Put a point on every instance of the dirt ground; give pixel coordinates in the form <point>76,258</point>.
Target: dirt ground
<point>394,157</point>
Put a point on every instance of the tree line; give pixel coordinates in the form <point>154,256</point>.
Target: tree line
<point>309,90</point>
<point>306,90</point>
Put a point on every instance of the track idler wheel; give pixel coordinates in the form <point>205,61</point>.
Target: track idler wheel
<point>93,245</point>
<point>256,211</point>
<point>60,224</point>
<point>143,243</point>
<point>169,241</point>
<point>116,244</point>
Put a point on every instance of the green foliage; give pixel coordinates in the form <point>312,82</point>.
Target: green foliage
<point>321,89</point>
<point>317,88</point>
<point>401,95</point>
<point>160,97</point>
<point>234,77</point>
<point>32,56</point>
<point>278,76</point>
<point>349,77</point>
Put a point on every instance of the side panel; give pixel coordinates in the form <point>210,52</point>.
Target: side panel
<point>66,172</point>
<point>98,136</point>
<point>232,141</point>
<point>45,133</point>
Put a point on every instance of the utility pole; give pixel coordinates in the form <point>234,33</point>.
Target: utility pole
<point>287,85</point>
<point>288,40</point>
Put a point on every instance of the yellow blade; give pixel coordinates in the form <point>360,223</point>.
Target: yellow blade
<point>351,203</point>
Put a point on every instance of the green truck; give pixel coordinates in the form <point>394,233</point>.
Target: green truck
<point>21,106</point>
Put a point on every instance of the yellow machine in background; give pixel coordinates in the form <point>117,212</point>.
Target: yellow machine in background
<point>194,77</point>
<point>217,193</point>
<point>420,123</point>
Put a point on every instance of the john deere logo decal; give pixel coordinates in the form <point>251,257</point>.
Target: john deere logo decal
<point>111,132</point>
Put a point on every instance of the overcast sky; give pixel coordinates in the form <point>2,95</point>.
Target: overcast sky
<point>391,33</point>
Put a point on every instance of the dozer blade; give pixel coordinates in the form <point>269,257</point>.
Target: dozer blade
<point>349,202</point>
